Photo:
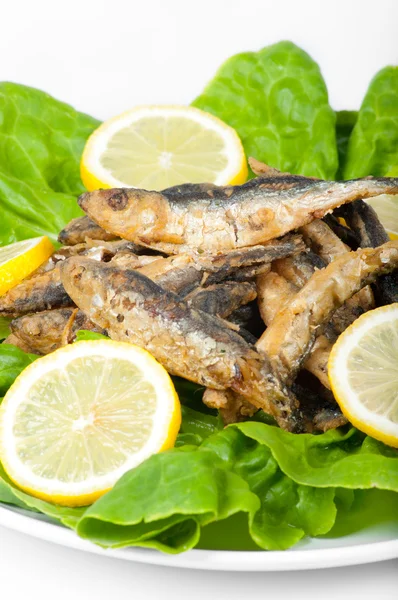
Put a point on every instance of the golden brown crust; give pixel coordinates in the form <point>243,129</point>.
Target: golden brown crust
<point>289,338</point>
<point>81,229</point>
<point>187,342</point>
<point>44,332</point>
<point>210,218</point>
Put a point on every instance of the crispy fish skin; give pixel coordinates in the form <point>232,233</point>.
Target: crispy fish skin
<point>184,272</point>
<point>274,293</point>
<point>16,341</point>
<point>187,342</point>
<point>363,219</point>
<point>46,331</point>
<point>177,274</point>
<point>299,268</point>
<point>317,360</point>
<point>43,292</point>
<point>128,260</point>
<point>114,247</point>
<point>232,407</point>
<point>346,234</point>
<point>319,408</point>
<point>251,255</point>
<point>81,229</point>
<point>293,273</point>
<point>260,168</point>
<point>289,339</point>
<point>321,239</point>
<point>210,218</point>
<point>223,298</point>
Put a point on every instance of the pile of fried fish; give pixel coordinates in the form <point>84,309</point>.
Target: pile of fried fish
<point>241,289</point>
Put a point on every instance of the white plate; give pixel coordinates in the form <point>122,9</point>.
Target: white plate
<point>371,545</point>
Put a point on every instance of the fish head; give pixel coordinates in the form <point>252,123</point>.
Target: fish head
<point>88,283</point>
<point>131,213</point>
<point>116,199</point>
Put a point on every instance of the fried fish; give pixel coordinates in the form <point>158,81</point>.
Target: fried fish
<point>44,332</point>
<point>184,272</point>
<point>208,218</point>
<point>363,219</point>
<point>188,342</point>
<point>42,292</point>
<point>289,339</point>
<point>81,229</point>
<point>222,299</point>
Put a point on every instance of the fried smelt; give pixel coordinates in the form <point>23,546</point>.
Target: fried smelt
<point>260,168</point>
<point>208,218</point>
<point>365,222</point>
<point>46,331</point>
<point>81,229</point>
<point>42,292</point>
<point>346,234</point>
<point>290,337</point>
<point>176,274</point>
<point>275,292</point>
<point>321,239</point>
<point>16,341</point>
<point>318,405</point>
<point>299,268</point>
<point>317,360</point>
<point>188,342</point>
<point>182,273</point>
<point>223,298</point>
<point>232,407</point>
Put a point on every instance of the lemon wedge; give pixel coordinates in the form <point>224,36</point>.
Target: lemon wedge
<point>76,420</point>
<point>19,260</point>
<point>363,373</point>
<point>386,207</point>
<point>155,147</point>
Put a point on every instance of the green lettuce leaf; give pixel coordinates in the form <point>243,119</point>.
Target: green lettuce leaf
<point>12,362</point>
<point>345,121</point>
<point>373,145</point>
<point>29,210</point>
<point>338,458</point>
<point>41,138</point>
<point>277,101</point>
<point>369,508</point>
<point>196,426</point>
<point>41,142</point>
<point>301,484</point>
<point>4,327</point>
<point>83,336</point>
<point>249,486</point>
<point>205,491</point>
<point>11,494</point>
<point>288,511</point>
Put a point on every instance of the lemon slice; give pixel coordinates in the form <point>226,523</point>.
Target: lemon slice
<point>386,207</point>
<point>76,420</point>
<point>155,147</point>
<point>363,373</point>
<point>19,260</point>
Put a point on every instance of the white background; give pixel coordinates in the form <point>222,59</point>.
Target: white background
<point>104,57</point>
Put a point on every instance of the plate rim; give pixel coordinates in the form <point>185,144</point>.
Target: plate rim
<point>215,560</point>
